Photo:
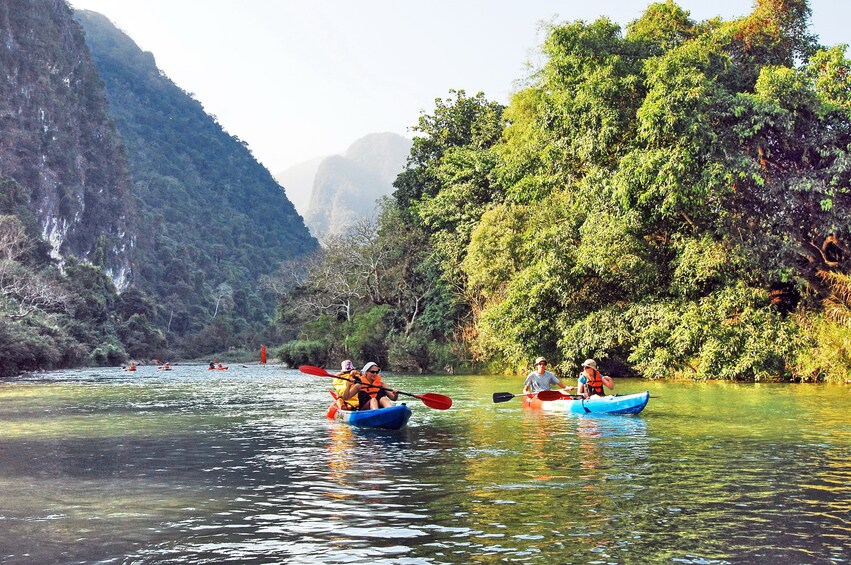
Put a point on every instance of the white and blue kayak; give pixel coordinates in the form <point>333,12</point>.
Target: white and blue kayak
<point>390,418</point>
<point>611,404</point>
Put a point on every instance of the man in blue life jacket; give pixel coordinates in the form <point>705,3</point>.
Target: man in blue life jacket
<point>590,380</point>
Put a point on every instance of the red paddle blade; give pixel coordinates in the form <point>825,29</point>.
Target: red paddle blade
<point>550,395</point>
<point>316,371</point>
<point>436,401</point>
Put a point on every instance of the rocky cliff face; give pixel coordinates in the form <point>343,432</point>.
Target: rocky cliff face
<point>57,139</point>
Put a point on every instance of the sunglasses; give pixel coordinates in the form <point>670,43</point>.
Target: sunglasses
<point>374,371</point>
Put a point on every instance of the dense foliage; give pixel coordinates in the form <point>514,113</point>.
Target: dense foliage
<point>672,200</point>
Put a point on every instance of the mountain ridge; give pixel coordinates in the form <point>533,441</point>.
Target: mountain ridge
<point>212,219</point>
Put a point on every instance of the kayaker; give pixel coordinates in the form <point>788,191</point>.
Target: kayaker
<point>590,380</point>
<point>375,397</point>
<point>348,389</point>
<point>541,379</point>
<point>131,367</point>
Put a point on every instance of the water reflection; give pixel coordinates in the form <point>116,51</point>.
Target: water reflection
<point>195,468</point>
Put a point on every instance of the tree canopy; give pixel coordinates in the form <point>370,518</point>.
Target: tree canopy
<point>671,199</point>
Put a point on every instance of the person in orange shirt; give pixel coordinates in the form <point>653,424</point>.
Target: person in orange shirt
<point>372,397</point>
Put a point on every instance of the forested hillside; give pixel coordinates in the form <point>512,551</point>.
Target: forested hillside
<point>131,224</point>
<point>671,199</point>
<point>212,220</point>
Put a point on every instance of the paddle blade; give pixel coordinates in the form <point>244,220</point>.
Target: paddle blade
<point>502,397</point>
<point>436,401</point>
<point>316,371</point>
<point>550,395</point>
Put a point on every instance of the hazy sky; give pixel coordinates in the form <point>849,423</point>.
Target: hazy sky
<point>299,79</point>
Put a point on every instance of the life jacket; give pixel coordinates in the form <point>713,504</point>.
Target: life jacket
<point>594,383</point>
<point>340,387</point>
<point>372,388</point>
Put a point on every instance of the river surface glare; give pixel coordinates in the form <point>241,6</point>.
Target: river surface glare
<point>241,466</point>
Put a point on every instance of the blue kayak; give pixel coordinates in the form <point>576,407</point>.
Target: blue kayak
<point>390,418</point>
<point>612,404</point>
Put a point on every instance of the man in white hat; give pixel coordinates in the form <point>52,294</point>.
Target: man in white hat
<point>591,381</point>
<point>541,379</point>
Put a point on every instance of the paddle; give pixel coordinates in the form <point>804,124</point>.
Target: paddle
<point>542,395</point>
<point>430,399</point>
<point>551,395</point>
<point>506,396</point>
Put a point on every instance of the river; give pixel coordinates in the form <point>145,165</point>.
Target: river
<point>240,466</point>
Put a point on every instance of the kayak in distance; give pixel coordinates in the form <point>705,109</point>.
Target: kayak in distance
<point>611,404</point>
<point>390,418</point>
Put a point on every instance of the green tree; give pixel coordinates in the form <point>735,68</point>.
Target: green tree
<point>659,190</point>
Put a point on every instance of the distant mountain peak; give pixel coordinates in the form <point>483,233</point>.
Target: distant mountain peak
<point>348,187</point>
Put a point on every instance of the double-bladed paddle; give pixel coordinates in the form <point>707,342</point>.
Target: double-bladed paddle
<point>542,395</point>
<point>505,396</point>
<point>430,399</point>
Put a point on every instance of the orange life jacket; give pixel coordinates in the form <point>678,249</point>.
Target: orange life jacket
<point>370,388</point>
<point>594,383</point>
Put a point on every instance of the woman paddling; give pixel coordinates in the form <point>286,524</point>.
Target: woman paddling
<point>372,397</point>
<point>590,380</point>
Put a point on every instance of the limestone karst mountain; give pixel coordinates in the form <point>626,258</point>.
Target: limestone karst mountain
<point>212,220</point>
<point>62,164</point>
<point>347,187</point>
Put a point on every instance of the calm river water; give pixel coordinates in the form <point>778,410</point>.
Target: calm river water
<point>197,466</point>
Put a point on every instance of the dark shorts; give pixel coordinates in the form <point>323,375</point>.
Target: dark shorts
<point>364,398</point>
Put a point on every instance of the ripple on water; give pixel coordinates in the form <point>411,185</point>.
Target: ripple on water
<point>194,468</point>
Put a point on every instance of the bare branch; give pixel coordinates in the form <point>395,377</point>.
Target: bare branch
<point>14,241</point>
